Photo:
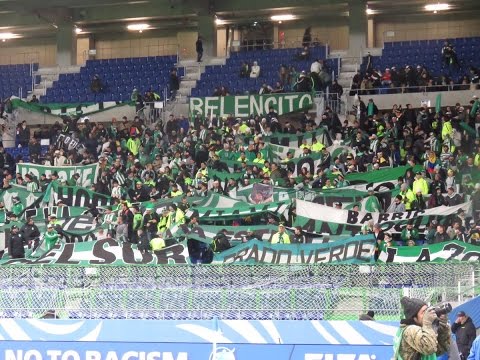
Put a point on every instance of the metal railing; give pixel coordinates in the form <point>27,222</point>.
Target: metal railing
<point>270,45</point>
<point>411,89</point>
<point>137,51</point>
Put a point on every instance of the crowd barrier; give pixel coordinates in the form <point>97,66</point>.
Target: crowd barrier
<point>196,340</point>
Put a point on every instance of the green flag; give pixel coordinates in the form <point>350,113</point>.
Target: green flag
<point>438,103</point>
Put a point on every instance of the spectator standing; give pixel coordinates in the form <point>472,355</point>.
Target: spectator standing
<point>449,55</point>
<point>453,198</point>
<point>465,333</point>
<point>50,237</point>
<point>23,134</point>
<point>416,337</point>
<point>199,49</point>
<point>307,37</point>
<point>475,350</point>
<point>281,237</point>
<point>174,84</point>
<point>440,235</point>
<point>244,70</point>
<point>16,243</point>
<point>409,233</point>
<point>255,72</point>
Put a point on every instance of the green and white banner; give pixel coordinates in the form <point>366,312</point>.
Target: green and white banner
<point>27,198</point>
<point>67,109</point>
<point>358,249</point>
<point>442,252</point>
<point>106,252</point>
<point>246,105</point>
<point>294,140</point>
<point>88,173</point>
<point>75,196</point>
<point>379,180</point>
<point>278,193</point>
<point>280,152</point>
<point>237,210</point>
<point>110,252</point>
<point>325,219</point>
<point>206,233</point>
<point>355,250</point>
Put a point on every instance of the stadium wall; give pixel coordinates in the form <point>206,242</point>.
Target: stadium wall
<point>387,101</point>
<point>193,340</point>
<point>24,51</point>
<point>424,28</point>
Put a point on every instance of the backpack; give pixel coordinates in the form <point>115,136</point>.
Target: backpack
<point>220,243</point>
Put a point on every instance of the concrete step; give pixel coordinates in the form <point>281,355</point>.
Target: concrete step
<point>350,61</point>
<point>184,92</point>
<point>345,84</point>
<point>44,84</point>
<point>191,77</point>
<point>185,83</point>
<point>58,70</point>
<point>337,53</point>
<point>50,77</point>
<point>38,92</point>
<point>374,51</point>
<point>347,73</point>
<point>205,62</point>
<point>349,67</point>
<point>182,100</point>
<point>180,109</point>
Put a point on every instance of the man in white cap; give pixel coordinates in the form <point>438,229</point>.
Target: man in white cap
<point>281,237</point>
<point>59,159</point>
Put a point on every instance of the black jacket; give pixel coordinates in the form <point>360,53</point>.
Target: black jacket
<point>15,246</point>
<point>465,334</point>
<point>30,232</point>
<point>220,243</point>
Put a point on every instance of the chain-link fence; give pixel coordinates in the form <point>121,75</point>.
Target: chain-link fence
<point>229,292</point>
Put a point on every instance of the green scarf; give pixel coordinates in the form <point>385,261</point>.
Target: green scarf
<point>370,109</point>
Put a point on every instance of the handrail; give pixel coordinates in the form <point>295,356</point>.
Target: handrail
<point>269,45</point>
<point>138,51</point>
<point>410,89</point>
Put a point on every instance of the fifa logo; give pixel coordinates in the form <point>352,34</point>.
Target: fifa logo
<point>223,353</point>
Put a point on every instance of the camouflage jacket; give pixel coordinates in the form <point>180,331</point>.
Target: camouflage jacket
<point>417,341</point>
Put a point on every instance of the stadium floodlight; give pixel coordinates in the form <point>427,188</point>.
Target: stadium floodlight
<point>219,21</point>
<point>78,30</point>
<point>8,36</point>
<point>437,7</point>
<point>370,11</point>
<point>284,17</point>
<point>138,27</point>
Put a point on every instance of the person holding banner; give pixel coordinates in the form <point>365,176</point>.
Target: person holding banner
<point>371,202</point>
<point>409,233</point>
<point>31,233</point>
<point>50,237</point>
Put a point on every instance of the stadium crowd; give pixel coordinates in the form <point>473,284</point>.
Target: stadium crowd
<point>139,163</point>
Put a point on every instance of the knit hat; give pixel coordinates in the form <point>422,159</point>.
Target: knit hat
<point>411,306</point>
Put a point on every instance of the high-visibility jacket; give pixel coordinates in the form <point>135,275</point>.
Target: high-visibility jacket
<point>420,185</point>
<point>157,243</point>
<point>280,238</point>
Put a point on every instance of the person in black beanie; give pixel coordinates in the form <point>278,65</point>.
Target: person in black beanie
<point>417,338</point>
